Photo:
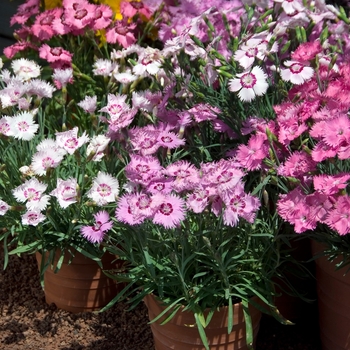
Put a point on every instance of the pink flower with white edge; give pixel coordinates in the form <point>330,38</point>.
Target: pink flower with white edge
<point>104,189</point>
<point>33,218</point>
<point>95,234</point>
<point>45,160</point>
<point>4,207</point>
<point>70,141</point>
<point>25,69</point>
<point>297,72</point>
<point>170,212</point>
<point>66,192</point>
<point>249,84</point>
<point>23,127</point>
<point>89,104</point>
<point>32,193</point>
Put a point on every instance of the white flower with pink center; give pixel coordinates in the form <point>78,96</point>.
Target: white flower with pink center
<point>150,61</point>
<point>44,160</point>
<point>23,127</point>
<point>103,67</point>
<point>88,104</point>
<point>249,84</point>
<point>104,189</point>
<point>5,128</point>
<point>70,141</point>
<point>125,77</point>
<point>32,193</point>
<point>4,207</point>
<point>297,73</point>
<point>66,192</point>
<point>33,218</point>
<point>25,69</point>
<point>247,53</point>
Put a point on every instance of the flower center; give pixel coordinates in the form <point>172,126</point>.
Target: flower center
<point>225,176</point>
<point>182,173</point>
<point>47,20</point>
<point>143,202</point>
<point>142,168</point>
<point>166,209</point>
<point>115,109</point>
<point>252,52</point>
<point>296,68</point>
<point>31,194</point>
<point>71,143</point>
<point>56,51</point>
<point>104,190</point>
<point>80,14</point>
<point>47,162</point>
<point>23,126</point>
<point>248,80</point>
<point>166,139</point>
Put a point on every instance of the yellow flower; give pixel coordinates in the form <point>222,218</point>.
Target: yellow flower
<point>50,4</point>
<point>101,35</point>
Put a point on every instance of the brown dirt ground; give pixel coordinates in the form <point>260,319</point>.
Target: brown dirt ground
<point>27,322</point>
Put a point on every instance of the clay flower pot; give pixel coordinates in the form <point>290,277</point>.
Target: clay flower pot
<point>81,285</point>
<point>181,333</point>
<point>333,290</point>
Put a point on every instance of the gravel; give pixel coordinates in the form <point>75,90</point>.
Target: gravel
<point>27,322</point>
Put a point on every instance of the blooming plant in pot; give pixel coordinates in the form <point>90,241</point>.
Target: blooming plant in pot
<point>60,168</point>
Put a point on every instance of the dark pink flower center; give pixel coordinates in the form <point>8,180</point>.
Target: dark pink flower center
<point>136,4</point>
<point>142,168</point>
<point>71,143</point>
<point>248,80</point>
<point>80,14</point>
<point>166,209</point>
<point>225,176</point>
<point>31,194</point>
<point>251,52</point>
<point>56,51</point>
<point>47,162</point>
<point>104,190</point>
<point>182,173</point>
<point>159,187</point>
<point>296,68</point>
<point>143,202</point>
<point>23,126</point>
<point>166,139</point>
<point>115,109</point>
<point>121,30</point>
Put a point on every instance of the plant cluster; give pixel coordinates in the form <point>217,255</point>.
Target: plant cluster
<point>177,136</point>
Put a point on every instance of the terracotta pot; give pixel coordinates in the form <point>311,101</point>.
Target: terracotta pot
<point>333,289</point>
<point>80,286</point>
<point>180,333</point>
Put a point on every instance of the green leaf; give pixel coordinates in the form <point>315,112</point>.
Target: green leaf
<point>248,324</point>
<point>199,319</point>
<point>166,310</point>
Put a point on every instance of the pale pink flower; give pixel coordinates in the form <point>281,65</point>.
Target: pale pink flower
<point>249,84</point>
<point>5,128</point>
<point>171,211</point>
<point>66,192</point>
<point>204,111</point>
<point>149,62</point>
<point>143,169</point>
<point>44,160</point>
<point>144,141</point>
<point>103,67</point>
<point>4,207</point>
<point>116,105</point>
<point>80,15</point>
<point>297,72</point>
<point>146,205</point>
<point>97,146</point>
<point>89,104</point>
<point>339,218</point>
<point>40,88</point>
<point>95,234</point>
<point>23,126</point>
<point>248,52</point>
<point>25,69</point>
<point>185,175</point>
<point>140,101</point>
<point>169,140</point>
<point>104,189</point>
<point>32,193</point>
<point>125,211</point>
<point>62,77</point>
<point>161,185</point>
<point>239,204</point>
<point>70,141</point>
<point>250,156</point>
<point>125,77</point>
<point>33,218</point>
<point>198,200</point>
<point>291,6</point>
